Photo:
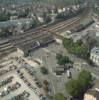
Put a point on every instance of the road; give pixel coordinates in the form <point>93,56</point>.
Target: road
<point>48,56</point>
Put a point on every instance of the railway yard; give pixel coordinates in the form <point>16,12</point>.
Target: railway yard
<point>40,36</point>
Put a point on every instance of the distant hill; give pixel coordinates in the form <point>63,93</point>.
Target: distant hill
<point>59,2</point>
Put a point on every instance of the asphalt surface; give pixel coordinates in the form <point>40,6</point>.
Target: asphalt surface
<point>48,56</point>
<point>6,64</point>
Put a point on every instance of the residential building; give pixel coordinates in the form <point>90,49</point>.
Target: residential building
<point>59,70</point>
<point>93,94</point>
<point>94,55</point>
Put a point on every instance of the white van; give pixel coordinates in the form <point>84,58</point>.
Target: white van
<point>69,75</point>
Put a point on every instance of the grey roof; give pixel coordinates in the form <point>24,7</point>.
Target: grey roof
<point>94,93</point>
<point>59,68</point>
<point>95,50</point>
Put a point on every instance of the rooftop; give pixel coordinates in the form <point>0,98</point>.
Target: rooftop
<point>94,93</point>
<point>95,50</point>
<point>97,34</point>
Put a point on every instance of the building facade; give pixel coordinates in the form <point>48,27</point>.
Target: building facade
<point>94,55</point>
<point>91,95</point>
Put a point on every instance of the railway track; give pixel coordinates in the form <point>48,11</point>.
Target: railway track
<point>26,34</point>
<point>32,34</point>
<point>4,51</point>
<point>63,26</point>
<point>29,39</point>
<point>62,23</point>
<point>36,34</point>
<point>40,29</point>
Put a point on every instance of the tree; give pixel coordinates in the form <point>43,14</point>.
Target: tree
<point>59,96</point>
<point>46,89</point>
<point>85,79</point>
<point>45,82</point>
<point>4,16</point>
<point>46,86</point>
<point>47,19</point>
<point>62,60</point>
<point>78,48</point>
<point>5,32</point>
<point>67,43</point>
<point>77,87</point>
<point>58,56</point>
<point>43,70</point>
<point>72,87</point>
<point>33,24</point>
<point>24,13</point>
<point>90,62</point>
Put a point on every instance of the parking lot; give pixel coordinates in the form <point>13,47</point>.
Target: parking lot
<point>19,90</point>
<point>10,88</point>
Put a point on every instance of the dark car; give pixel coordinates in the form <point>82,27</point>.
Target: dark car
<point>39,84</point>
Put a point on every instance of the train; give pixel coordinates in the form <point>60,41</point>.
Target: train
<point>82,26</point>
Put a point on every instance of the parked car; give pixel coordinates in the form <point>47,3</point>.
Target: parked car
<point>38,84</point>
<point>26,94</point>
<point>69,75</point>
